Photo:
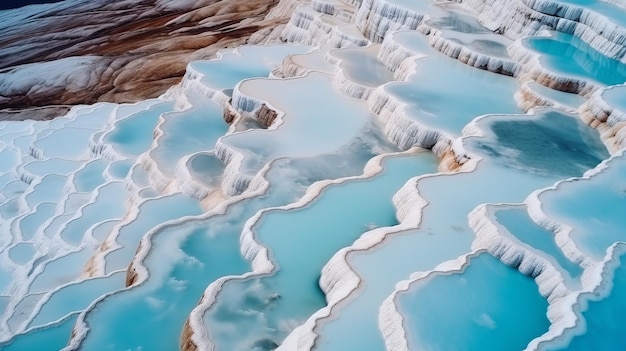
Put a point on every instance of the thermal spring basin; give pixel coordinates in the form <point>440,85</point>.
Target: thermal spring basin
<point>494,307</point>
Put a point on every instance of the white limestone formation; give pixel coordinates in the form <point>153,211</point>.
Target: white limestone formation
<point>403,130</point>
<point>390,320</point>
<point>498,242</point>
<point>532,95</point>
<point>310,27</point>
<point>473,57</point>
<point>608,117</point>
<point>376,18</point>
<point>562,231</point>
<point>520,18</point>
<point>338,8</point>
<point>336,284</point>
<point>534,69</point>
<point>339,280</point>
<point>566,313</point>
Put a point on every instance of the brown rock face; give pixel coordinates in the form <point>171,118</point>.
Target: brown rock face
<point>229,113</point>
<point>138,48</point>
<point>39,113</point>
<point>266,116</point>
<point>186,344</point>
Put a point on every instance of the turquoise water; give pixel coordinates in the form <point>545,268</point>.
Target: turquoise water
<point>119,169</point>
<point>11,207</point>
<point>5,179</point>
<point>92,117</point>
<point>52,166</point>
<point>311,107</point>
<point>457,22</point>
<point>91,176</point>
<point>124,110</point>
<point>29,224</point>
<point>183,260</point>
<point>51,227</point>
<point>22,253</point>
<point>102,229</point>
<point>60,122</point>
<point>72,202</point>
<point>571,56</point>
<point>148,193</point>
<point>150,213</point>
<point>355,324</point>
<point>593,208</point>
<point>495,307</point>
<point>601,312</point>
<point>139,177</point>
<point>23,143</point>
<point>579,147</point>
<point>255,312</point>
<point>459,27</point>
<point>361,65</point>
<point>49,338</point>
<point>50,189</point>
<point>108,204</point>
<point>604,8</point>
<point>440,79</point>
<point>54,235</point>
<point>68,143</point>
<point>8,159</point>
<point>61,270</point>
<point>206,168</point>
<point>19,313</point>
<point>187,132</point>
<point>444,233</point>
<point>313,61</point>
<point>163,303</point>
<point>614,96</point>
<point>76,297</point>
<point>561,97</point>
<point>520,225</point>
<point>10,130</point>
<point>133,135</point>
<point>246,62</point>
